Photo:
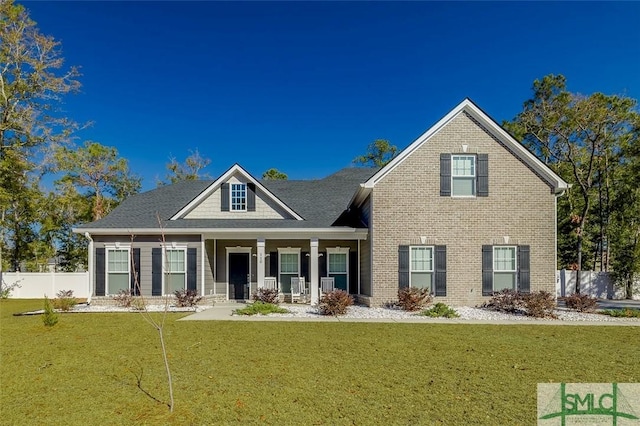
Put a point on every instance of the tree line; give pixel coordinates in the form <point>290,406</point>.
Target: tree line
<point>591,141</point>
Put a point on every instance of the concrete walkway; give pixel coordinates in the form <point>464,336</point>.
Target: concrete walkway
<point>223,312</point>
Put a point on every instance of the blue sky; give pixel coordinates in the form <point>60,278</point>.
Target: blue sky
<point>305,87</point>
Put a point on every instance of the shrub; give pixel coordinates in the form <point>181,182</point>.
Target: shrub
<point>509,301</point>
<point>581,302</point>
<point>49,318</point>
<point>267,295</point>
<point>622,313</point>
<point>6,289</point>
<point>261,308</point>
<point>335,302</point>
<point>440,310</point>
<point>413,298</point>
<point>187,298</point>
<point>123,298</point>
<point>137,304</point>
<point>539,304</point>
<point>64,300</point>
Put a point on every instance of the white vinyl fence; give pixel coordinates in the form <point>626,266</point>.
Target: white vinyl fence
<point>597,284</point>
<point>35,285</point>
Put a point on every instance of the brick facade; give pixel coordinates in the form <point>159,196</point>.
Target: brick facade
<point>406,205</point>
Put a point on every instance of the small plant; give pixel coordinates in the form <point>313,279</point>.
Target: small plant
<point>6,289</point>
<point>509,301</point>
<point>413,298</point>
<point>267,295</point>
<point>137,304</point>
<point>581,302</point>
<point>335,303</point>
<point>49,318</point>
<point>187,298</point>
<point>64,300</point>
<point>622,313</point>
<point>539,304</point>
<point>440,310</point>
<point>123,298</point>
<point>261,308</point>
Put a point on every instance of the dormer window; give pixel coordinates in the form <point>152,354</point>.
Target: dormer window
<point>238,197</point>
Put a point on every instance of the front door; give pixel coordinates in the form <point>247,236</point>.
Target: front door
<point>239,276</point>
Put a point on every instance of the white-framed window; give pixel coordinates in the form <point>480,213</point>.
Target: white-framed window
<point>338,267</point>
<point>118,270</point>
<point>421,267</point>
<point>463,175</point>
<point>238,197</point>
<point>175,269</point>
<point>289,266</point>
<point>504,268</point>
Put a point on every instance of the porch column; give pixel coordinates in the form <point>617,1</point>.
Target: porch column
<point>314,272</point>
<point>261,260</point>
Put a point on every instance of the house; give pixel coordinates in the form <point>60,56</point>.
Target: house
<point>464,210</point>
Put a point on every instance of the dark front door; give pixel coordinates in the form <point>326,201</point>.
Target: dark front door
<point>239,275</point>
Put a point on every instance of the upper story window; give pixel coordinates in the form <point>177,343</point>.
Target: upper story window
<point>238,197</point>
<point>463,175</point>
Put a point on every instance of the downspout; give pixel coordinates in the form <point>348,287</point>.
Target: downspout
<point>90,266</point>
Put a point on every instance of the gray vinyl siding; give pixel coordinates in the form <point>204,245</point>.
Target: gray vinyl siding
<point>209,280</point>
<point>146,243</point>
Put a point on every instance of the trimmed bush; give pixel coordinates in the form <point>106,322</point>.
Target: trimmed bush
<point>440,310</point>
<point>49,318</point>
<point>509,301</point>
<point>261,308</point>
<point>413,298</point>
<point>581,302</point>
<point>64,300</point>
<point>187,298</point>
<point>335,303</point>
<point>267,295</point>
<point>123,298</point>
<point>539,304</point>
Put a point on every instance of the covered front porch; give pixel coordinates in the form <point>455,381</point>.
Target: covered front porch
<point>299,269</point>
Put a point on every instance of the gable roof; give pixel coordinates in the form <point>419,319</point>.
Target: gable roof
<point>320,203</point>
<point>236,168</point>
<point>490,124</point>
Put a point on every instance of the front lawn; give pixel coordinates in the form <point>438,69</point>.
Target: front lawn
<point>83,370</point>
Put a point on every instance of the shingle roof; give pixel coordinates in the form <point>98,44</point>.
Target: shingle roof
<point>320,202</point>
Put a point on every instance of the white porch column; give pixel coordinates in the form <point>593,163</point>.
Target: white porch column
<point>314,272</point>
<point>261,261</point>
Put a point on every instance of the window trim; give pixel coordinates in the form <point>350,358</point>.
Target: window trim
<point>503,271</point>
<point>288,250</point>
<point>474,176</point>
<point>116,247</point>
<point>233,201</point>
<point>339,250</point>
<point>165,272</point>
<point>433,266</point>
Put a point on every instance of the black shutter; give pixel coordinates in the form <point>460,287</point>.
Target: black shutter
<point>99,273</point>
<point>224,197</point>
<point>441,270</point>
<point>251,197</point>
<point>304,265</point>
<point>353,272</point>
<point>524,269</point>
<point>273,264</point>
<point>483,175</point>
<point>487,270</point>
<point>322,264</point>
<point>135,275</point>
<point>156,271</point>
<point>192,268</point>
<point>445,175</point>
<point>403,266</point>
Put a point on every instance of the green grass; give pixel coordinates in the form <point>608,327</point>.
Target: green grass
<point>626,312</point>
<point>81,371</point>
<point>261,308</point>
